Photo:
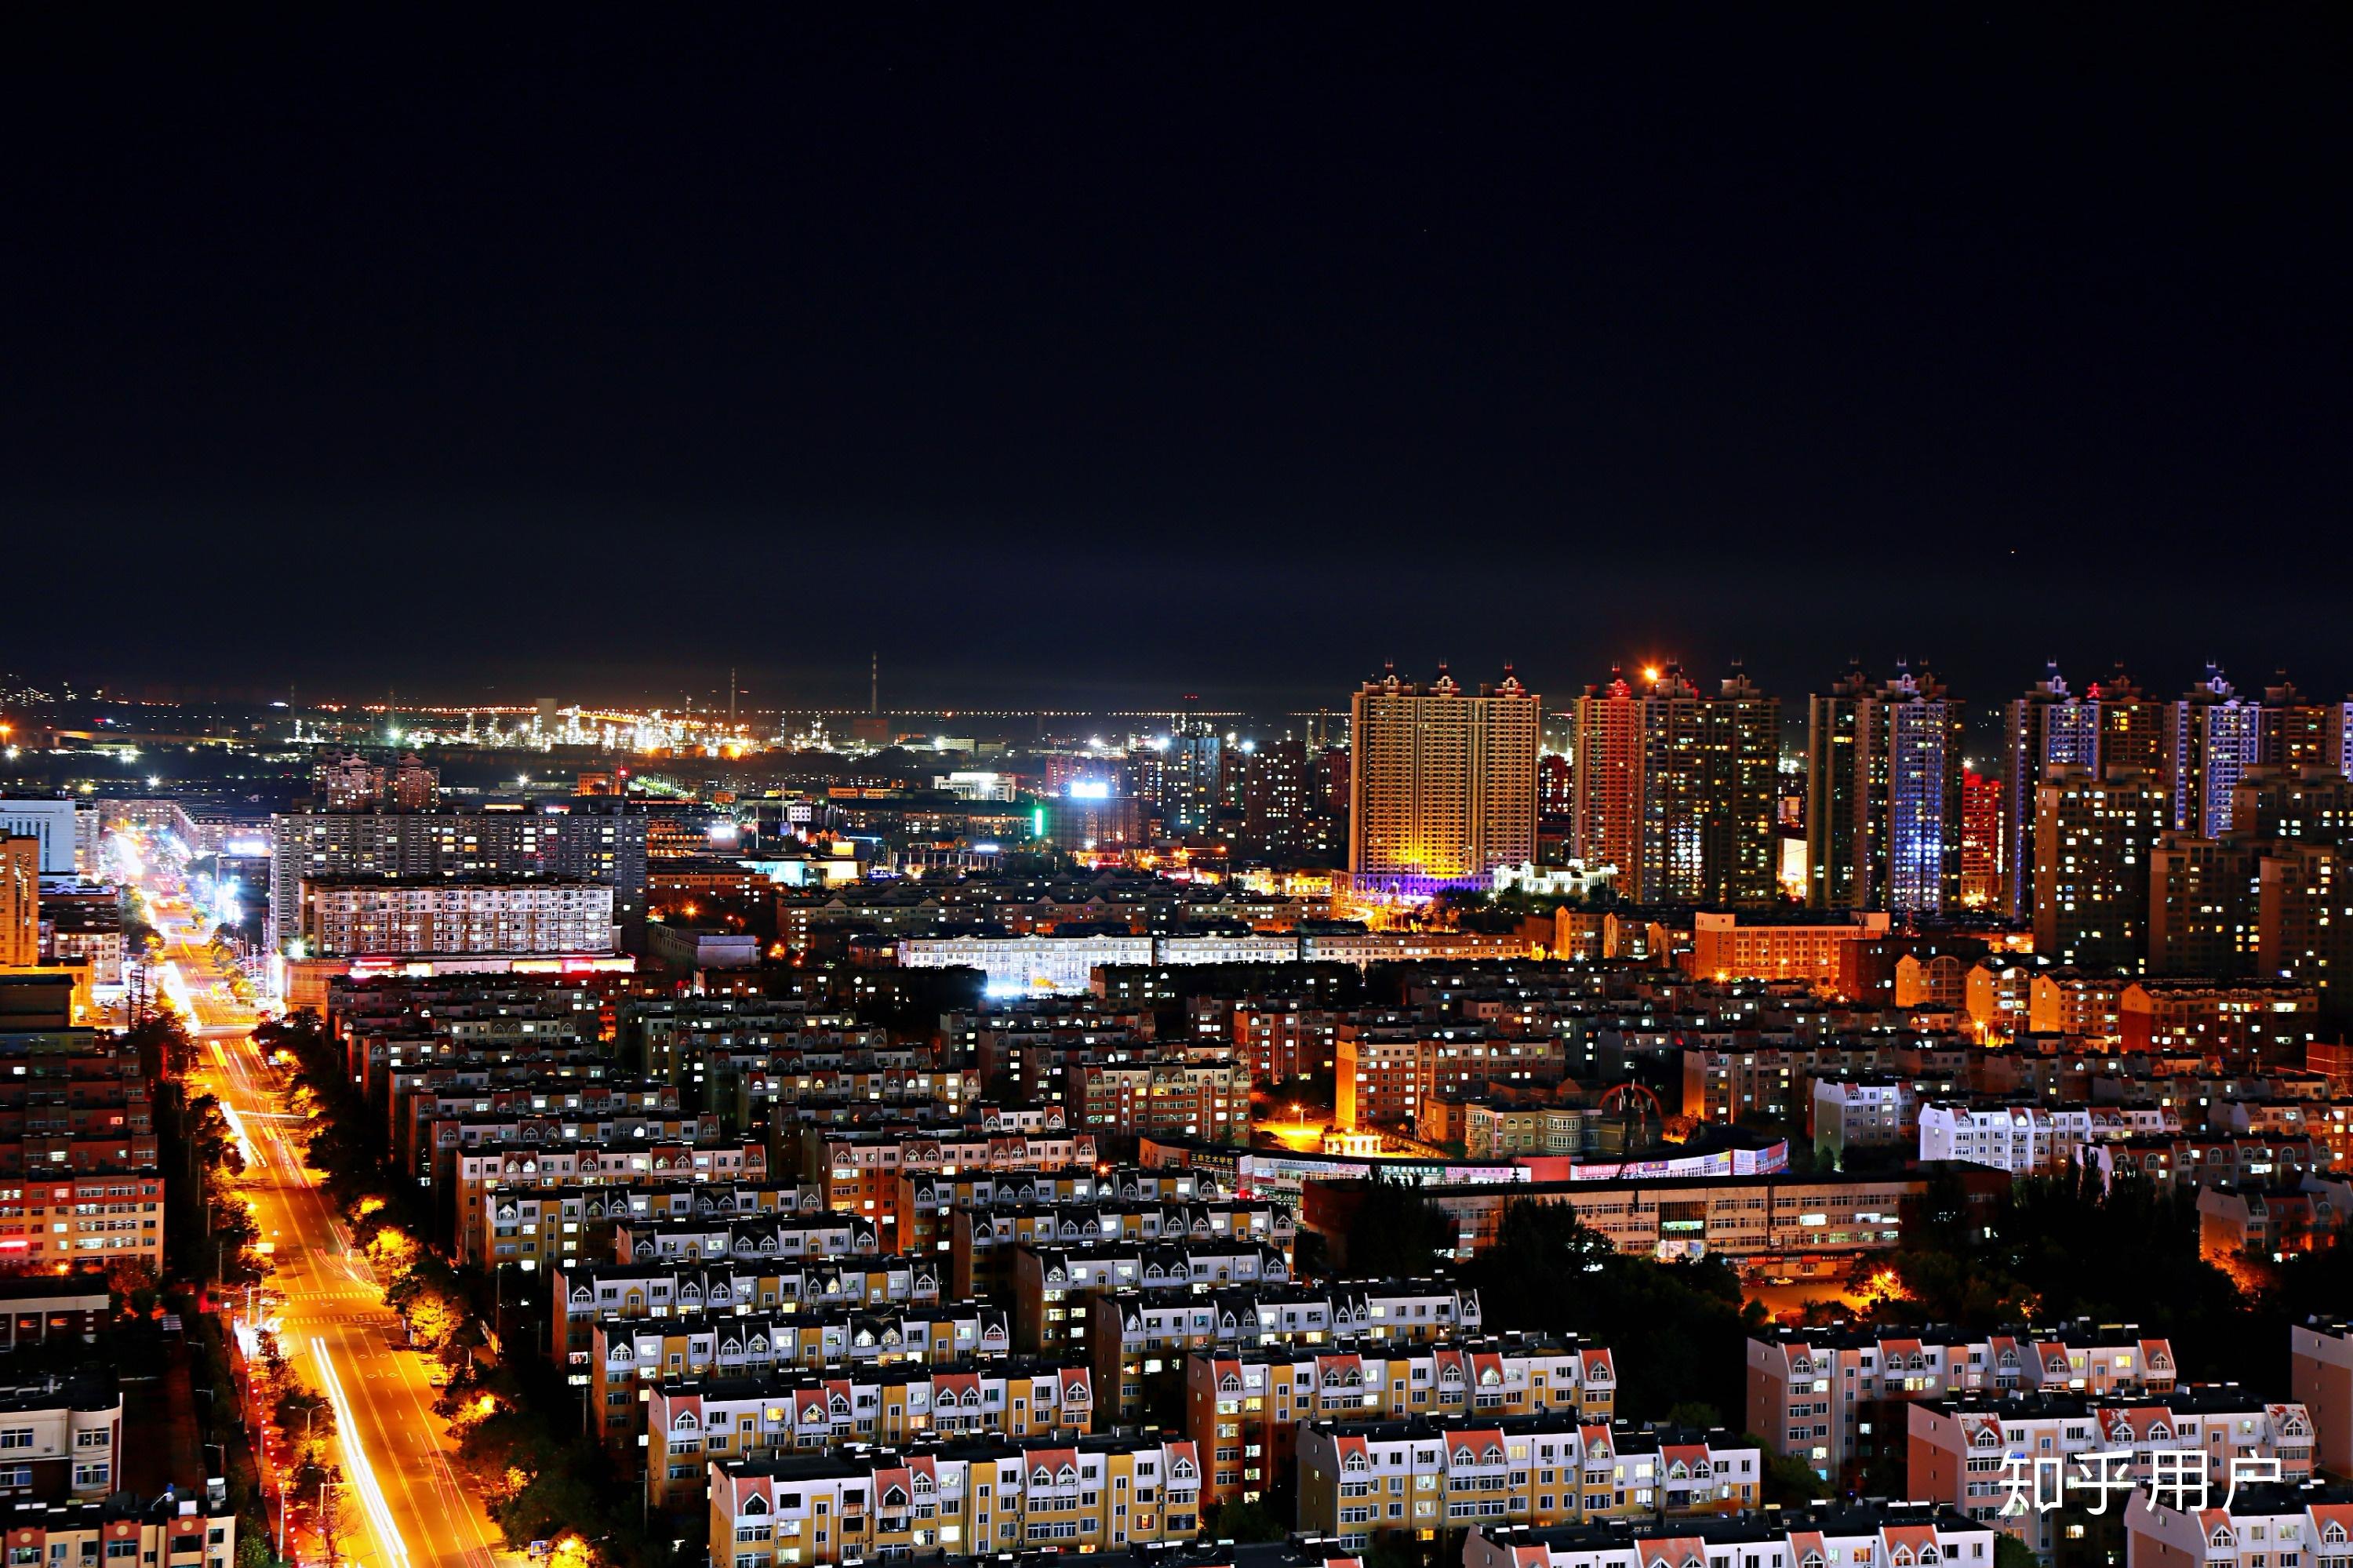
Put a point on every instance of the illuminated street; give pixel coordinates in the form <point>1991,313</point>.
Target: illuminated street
<point>405,1503</point>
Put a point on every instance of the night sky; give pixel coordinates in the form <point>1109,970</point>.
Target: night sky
<point>593,352</point>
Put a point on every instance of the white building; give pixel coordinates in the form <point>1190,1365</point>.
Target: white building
<point>1020,966</point>
<point>357,917</point>
<point>1862,1113</point>
<point>972,786</point>
<point>1064,966</point>
<point>2021,1140</point>
<point>1900,1535</point>
<point>1575,880</point>
<point>68,832</point>
<point>1960,1450</point>
<point>2262,1524</point>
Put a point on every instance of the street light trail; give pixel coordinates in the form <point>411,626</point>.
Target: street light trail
<point>244,1144</point>
<point>355,1455</point>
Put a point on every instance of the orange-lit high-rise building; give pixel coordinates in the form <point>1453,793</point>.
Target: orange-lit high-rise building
<point>1442,781</point>
<point>2297,731</point>
<point>1606,824</point>
<point>2132,726</point>
<point>20,901</point>
<point>2094,839</point>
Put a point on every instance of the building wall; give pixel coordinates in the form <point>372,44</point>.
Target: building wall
<point>1443,783</point>
<point>2320,1377</point>
<point>54,825</point>
<point>352,920</point>
<point>20,901</point>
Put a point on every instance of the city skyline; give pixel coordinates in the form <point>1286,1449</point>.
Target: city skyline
<point>1036,787</point>
<point>706,690</point>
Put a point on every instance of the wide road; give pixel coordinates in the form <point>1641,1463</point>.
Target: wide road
<point>406,1506</point>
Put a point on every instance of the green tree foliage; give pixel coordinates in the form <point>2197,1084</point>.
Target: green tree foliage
<point>304,1415</point>
<point>1790,1482</point>
<point>166,1048</point>
<point>344,1144</point>
<point>2009,1552</point>
<point>431,1298</point>
<point>2065,1247</point>
<point>1678,1329</point>
<point>1239,1522</point>
<point>1396,1230</point>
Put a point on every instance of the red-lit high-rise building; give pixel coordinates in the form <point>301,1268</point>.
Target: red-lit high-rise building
<point>1677,790</point>
<point>1982,842</point>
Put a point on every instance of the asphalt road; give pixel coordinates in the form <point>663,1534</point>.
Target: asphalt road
<point>406,1505</point>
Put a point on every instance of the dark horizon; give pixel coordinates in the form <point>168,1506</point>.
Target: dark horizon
<point>1086,359</point>
<point>1258,702</point>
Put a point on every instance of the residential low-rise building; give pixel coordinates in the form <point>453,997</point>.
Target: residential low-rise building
<point>1177,1097</point>
<point>1833,1396</point>
<point>124,1528</point>
<point>1138,1338</point>
<point>1727,946</point>
<point>1359,1479</point>
<point>2308,1524</point>
<point>1670,1217</point>
<point>825,1409</point>
<point>1863,1113</point>
<point>2244,1022</point>
<point>2272,1219</point>
<point>962,1498</point>
<point>356,917</point>
<point>61,1436</point>
<point>2320,1374</point>
<point>1896,1534</point>
<point>1245,1408</point>
<point>1958,1450</point>
<point>2023,1140</point>
<point>482,1175</point>
<point>1051,1284</point>
<point>983,1243</point>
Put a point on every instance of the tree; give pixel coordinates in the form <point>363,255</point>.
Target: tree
<point>1678,1330</point>
<point>1242,1521</point>
<point>2009,1552</point>
<point>315,1487</point>
<point>1396,1230</point>
<point>1788,1480</point>
<point>165,1048</point>
<point>1695,1413</point>
<point>306,1418</point>
<point>429,1299</point>
<point>132,1282</point>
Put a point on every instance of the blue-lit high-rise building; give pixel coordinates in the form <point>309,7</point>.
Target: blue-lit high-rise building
<point>2050,727</point>
<point>2110,725</point>
<point>1192,779</point>
<point>1907,797</point>
<point>2213,736</point>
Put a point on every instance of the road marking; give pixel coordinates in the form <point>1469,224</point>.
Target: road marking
<point>355,1455</point>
